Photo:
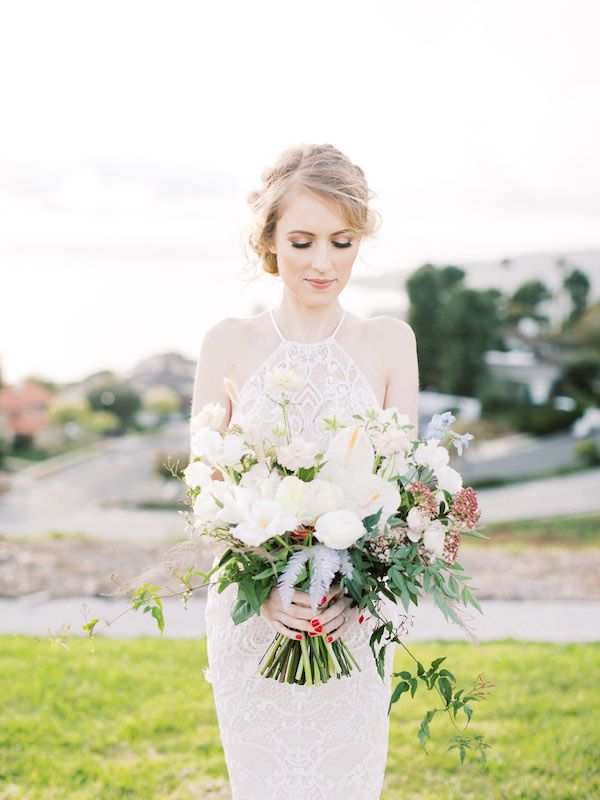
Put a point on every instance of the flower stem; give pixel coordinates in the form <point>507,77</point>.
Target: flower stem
<point>306,660</point>
<point>343,644</point>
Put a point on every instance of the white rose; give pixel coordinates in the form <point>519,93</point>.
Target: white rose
<point>323,496</point>
<point>431,455</point>
<point>339,529</point>
<point>417,521</point>
<point>434,537</point>
<point>279,381</point>
<point>449,479</point>
<point>393,440</point>
<point>197,474</point>
<point>297,454</point>
<point>211,415</point>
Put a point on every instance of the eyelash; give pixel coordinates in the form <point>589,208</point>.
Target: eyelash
<point>339,245</point>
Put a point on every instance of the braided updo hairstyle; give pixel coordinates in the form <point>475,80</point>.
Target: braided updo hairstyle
<point>318,168</point>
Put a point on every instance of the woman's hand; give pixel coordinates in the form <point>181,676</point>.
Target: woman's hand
<point>332,622</point>
<point>297,618</point>
<point>328,621</point>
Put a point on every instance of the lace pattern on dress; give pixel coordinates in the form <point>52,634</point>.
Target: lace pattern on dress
<point>284,741</point>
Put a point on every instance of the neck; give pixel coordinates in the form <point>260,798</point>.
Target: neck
<point>307,323</point>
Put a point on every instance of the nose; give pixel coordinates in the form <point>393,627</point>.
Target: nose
<point>322,262</point>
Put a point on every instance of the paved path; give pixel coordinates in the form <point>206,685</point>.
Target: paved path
<point>529,620</point>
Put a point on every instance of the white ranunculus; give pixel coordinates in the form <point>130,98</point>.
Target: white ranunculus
<point>211,415</point>
<point>265,519</point>
<point>431,455</point>
<point>197,474</point>
<point>434,537</point>
<point>292,494</point>
<point>323,496</point>
<point>393,440</point>
<point>449,479</point>
<point>339,529</point>
<point>297,454</point>
<point>283,381</point>
<point>417,520</point>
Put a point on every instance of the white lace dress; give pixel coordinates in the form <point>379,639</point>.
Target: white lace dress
<point>285,741</point>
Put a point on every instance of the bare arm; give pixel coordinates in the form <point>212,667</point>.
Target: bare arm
<point>213,365</point>
<point>402,390</point>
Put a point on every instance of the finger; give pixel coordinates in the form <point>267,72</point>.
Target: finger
<point>293,622</point>
<point>281,628</point>
<point>334,610</point>
<point>334,625</point>
<point>301,598</point>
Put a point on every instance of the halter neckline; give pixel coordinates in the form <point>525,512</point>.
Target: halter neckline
<point>296,341</point>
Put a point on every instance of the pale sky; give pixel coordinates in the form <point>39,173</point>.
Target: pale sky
<point>142,126</point>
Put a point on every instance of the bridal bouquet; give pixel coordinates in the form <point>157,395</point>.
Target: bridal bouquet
<point>380,512</point>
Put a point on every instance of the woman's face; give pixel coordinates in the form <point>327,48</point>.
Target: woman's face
<point>312,241</point>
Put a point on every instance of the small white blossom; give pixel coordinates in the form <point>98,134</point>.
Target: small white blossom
<point>283,381</point>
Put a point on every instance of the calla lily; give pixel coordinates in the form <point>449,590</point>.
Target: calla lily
<point>349,463</point>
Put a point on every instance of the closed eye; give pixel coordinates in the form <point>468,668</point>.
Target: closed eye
<point>304,245</point>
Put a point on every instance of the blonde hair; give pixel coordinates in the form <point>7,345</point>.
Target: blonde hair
<point>318,168</point>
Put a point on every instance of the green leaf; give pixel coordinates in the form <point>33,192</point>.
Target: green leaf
<point>445,689</point>
<point>158,616</point>
<point>241,611</point>
<point>401,687</point>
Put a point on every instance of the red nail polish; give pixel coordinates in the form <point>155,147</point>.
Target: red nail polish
<point>361,618</point>
<point>298,636</point>
<point>313,633</point>
<point>324,599</point>
<point>319,628</point>
<point>314,622</point>
<point>329,639</point>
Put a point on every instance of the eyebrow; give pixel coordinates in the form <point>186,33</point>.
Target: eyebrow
<point>308,233</point>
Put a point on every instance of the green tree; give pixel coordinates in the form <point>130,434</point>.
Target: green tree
<point>428,289</point>
<point>577,284</point>
<point>470,327</point>
<point>525,301</point>
<point>118,399</point>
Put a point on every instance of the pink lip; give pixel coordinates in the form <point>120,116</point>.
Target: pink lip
<point>319,283</point>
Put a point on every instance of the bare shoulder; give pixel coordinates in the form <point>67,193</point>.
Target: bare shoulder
<point>229,333</point>
<point>385,330</point>
<point>395,329</point>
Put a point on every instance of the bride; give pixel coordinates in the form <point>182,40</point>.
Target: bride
<point>286,741</point>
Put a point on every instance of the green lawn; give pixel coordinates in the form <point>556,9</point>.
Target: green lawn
<point>135,719</point>
<point>582,530</point>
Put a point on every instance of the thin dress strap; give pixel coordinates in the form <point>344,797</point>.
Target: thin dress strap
<point>331,336</point>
